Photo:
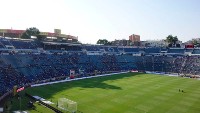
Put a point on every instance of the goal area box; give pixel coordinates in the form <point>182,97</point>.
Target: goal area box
<point>67,105</point>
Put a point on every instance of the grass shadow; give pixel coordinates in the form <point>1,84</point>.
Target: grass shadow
<point>98,82</point>
<point>48,91</point>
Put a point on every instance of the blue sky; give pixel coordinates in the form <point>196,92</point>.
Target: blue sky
<point>91,20</point>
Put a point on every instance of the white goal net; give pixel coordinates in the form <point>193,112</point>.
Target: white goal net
<point>67,105</point>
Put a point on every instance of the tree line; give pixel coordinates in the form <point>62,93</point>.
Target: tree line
<point>33,31</point>
<point>172,40</point>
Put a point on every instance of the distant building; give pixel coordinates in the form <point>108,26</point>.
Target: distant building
<point>193,40</point>
<point>178,44</point>
<point>122,42</point>
<point>154,43</point>
<point>134,38</point>
<point>18,33</point>
<point>160,43</point>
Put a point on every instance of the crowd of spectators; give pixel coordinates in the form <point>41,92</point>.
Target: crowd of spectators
<point>190,65</point>
<point>18,44</point>
<point>170,64</point>
<point>21,69</point>
<point>10,77</point>
<point>29,68</point>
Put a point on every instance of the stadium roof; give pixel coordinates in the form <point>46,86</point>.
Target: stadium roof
<point>60,43</point>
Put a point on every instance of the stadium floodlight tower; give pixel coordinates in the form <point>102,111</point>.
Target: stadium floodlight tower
<point>67,105</point>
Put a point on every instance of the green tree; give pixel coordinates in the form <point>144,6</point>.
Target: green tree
<point>108,43</point>
<point>99,41</point>
<point>25,35</point>
<point>41,37</point>
<point>102,41</point>
<point>195,42</point>
<point>172,39</point>
<point>169,39</point>
<point>33,31</point>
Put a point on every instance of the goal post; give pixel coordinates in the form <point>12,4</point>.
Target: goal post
<point>67,105</point>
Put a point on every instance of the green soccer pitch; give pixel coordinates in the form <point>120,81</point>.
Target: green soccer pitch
<point>123,93</point>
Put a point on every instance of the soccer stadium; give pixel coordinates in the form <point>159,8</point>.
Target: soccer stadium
<point>69,77</point>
